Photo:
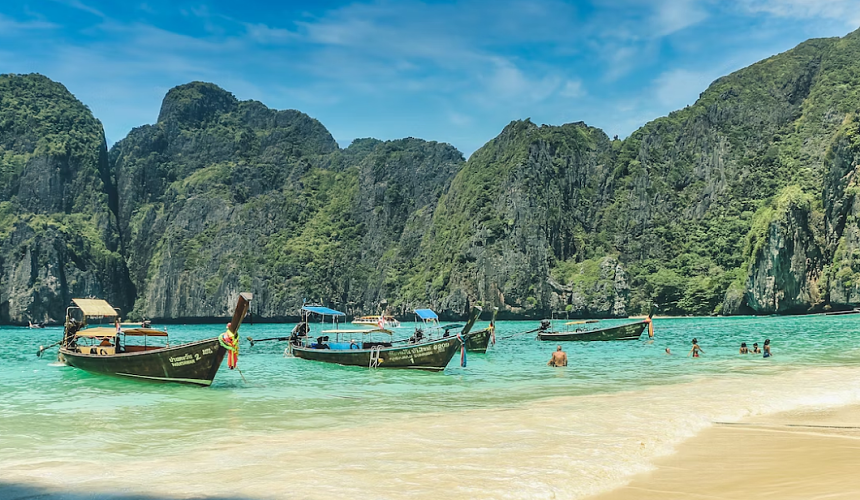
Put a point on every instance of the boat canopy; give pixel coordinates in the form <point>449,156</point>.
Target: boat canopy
<point>322,310</point>
<point>96,307</point>
<point>426,314</point>
<point>376,330</point>
<point>149,332</point>
<point>97,331</point>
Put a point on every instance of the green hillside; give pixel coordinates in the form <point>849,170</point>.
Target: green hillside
<point>743,202</point>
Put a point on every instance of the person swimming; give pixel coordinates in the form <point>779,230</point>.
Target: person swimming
<point>696,349</point>
<point>756,350</point>
<point>744,348</point>
<point>767,352</point>
<point>559,358</point>
<point>668,351</point>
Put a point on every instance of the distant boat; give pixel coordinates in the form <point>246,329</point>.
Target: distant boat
<point>479,341</point>
<point>630,331</point>
<point>387,321</point>
<point>839,313</point>
<point>430,327</point>
<point>344,349</point>
<point>105,350</point>
<point>36,325</point>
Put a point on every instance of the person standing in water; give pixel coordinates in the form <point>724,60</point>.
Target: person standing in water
<point>767,352</point>
<point>559,358</point>
<point>756,350</point>
<point>696,349</point>
<point>744,348</point>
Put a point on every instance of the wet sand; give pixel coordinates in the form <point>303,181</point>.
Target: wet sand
<point>811,454</point>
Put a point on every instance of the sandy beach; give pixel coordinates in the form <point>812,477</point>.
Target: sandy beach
<point>810,454</point>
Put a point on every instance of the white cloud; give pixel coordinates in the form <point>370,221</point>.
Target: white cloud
<point>572,89</point>
<point>460,119</point>
<point>77,4</point>
<point>847,10</point>
<point>677,88</point>
<point>671,16</point>
<point>263,34</point>
<point>10,26</point>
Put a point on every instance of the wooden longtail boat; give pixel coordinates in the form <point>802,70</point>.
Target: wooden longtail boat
<point>479,341</point>
<point>630,331</point>
<point>105,350</point>
<point>431,354</point>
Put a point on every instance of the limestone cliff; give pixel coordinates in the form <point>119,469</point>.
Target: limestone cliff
<point>59,234</point>
<point>744,202</point>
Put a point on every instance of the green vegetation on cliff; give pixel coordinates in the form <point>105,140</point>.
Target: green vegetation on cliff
<point>744,202</point>
<point>58,236</point>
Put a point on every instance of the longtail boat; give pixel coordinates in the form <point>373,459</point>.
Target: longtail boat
<point>417,353</point>
<point>479,341</point>
<point>106,350</point>
<point>629,331</point>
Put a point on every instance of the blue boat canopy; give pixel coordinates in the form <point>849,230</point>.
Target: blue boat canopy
<point>323,310</point>
<point>426,314</point>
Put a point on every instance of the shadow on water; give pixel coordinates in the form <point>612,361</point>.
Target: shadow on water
<point>13,491</point>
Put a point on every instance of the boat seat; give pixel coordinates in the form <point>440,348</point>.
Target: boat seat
<point>343,345</point>
<point>96,350</point>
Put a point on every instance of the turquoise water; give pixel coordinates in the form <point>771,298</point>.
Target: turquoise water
<point>53,415</point>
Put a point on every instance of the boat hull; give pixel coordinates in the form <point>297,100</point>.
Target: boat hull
<point>434,355</point>
<point>194,363</point>
<point>630,331</point>
<point>479,341</point>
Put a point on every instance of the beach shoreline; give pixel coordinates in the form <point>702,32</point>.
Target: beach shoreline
<point>798,454</point>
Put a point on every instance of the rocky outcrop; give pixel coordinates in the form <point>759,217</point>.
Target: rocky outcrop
<point>591,289</point>
<point>786,258</point>
<point>224,195</point>
<point>744,202</point>
<point>60,238</point>
<point>842,216</point>
<point>515,208</point>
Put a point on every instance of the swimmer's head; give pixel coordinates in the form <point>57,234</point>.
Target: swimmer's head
<point>755,344</point>
<point>558,348</point>
<point>695,341</point>
<point>743,344</point>
<point>767,342</point>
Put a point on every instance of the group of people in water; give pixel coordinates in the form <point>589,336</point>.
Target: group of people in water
<point>559,357</point>
<point>755,350</point>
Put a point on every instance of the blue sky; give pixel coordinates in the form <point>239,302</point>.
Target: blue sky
<point>451,71</point>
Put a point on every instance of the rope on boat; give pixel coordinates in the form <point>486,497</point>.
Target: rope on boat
<point>519,333</point>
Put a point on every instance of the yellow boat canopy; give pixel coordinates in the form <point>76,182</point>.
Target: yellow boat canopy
<point>98,331</point>
<point>96,307</point>
<point>149,332</point>
<point>359,331</point>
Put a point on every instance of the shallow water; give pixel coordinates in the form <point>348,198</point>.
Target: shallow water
<point>506,426</point>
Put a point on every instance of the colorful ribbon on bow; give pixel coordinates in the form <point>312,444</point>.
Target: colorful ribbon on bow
<point>650,327</point>
<point>230,342</point>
